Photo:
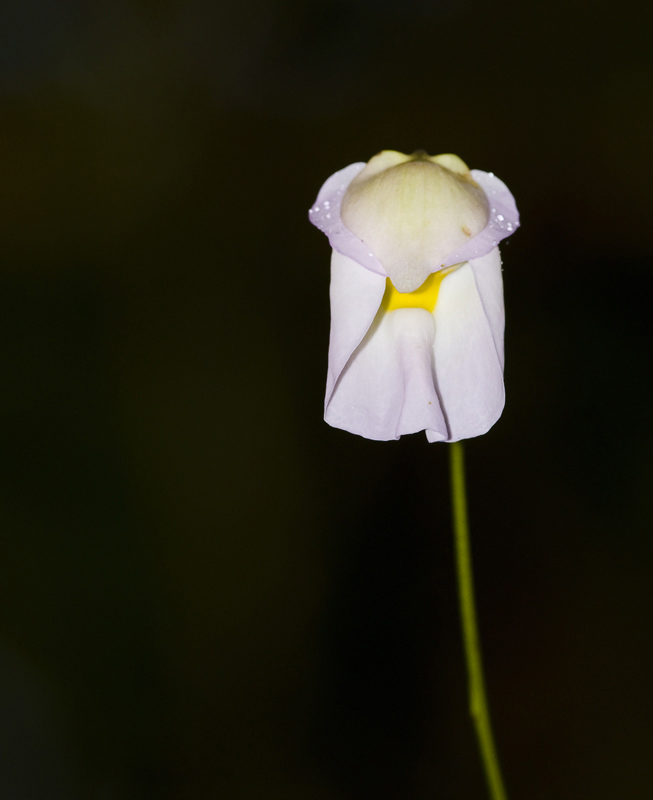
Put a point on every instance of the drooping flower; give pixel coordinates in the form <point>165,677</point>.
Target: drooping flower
<point>417,314</point>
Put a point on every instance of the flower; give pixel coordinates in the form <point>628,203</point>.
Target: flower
<point>417,314</point>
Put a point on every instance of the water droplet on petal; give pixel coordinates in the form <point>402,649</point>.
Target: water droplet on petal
<point>500,217</point>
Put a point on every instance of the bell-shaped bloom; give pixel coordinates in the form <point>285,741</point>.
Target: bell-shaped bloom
<point>417,314</point>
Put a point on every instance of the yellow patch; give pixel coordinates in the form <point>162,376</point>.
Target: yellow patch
<point>424,297</point>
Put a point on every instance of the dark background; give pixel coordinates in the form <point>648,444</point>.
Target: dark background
<point>205,591</point>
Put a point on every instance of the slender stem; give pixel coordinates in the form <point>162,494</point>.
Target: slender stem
<point>478,705</point>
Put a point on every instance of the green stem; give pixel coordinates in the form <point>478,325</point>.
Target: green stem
<point>478,705</point>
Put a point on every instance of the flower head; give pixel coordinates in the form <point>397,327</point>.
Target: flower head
<point>416,296</point>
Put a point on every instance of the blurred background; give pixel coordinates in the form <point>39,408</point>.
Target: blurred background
<point>205,591</point>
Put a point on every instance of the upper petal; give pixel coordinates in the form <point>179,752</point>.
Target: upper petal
<point>325,215</point>
<point>503,220</point>
<point>412,211</point>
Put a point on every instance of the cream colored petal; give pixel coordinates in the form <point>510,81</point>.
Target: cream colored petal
<point>412,212</point>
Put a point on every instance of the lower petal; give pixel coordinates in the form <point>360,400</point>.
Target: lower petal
<point>489,282</point>
<point>387,388</point>
<point>468,362</point>
<point>356,294</point>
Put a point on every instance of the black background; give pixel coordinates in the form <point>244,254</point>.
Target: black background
<point>205,591</point>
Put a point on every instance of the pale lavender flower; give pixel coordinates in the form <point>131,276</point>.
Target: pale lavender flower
<point>417,314</point>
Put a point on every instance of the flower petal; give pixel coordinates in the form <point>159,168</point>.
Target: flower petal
<point>504,220</point>
<point>468,360</point>
<point>412,212</point>
<point>356,295</point>
<point>387,388</point>
<point>325,215</point>
<point>489,282</point>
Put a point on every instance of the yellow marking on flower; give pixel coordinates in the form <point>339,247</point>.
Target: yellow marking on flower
<point>424,297</point>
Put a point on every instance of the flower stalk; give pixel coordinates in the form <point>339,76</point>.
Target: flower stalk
<point>478,705</point>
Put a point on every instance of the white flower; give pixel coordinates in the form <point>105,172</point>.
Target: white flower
<point>417,313</point>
